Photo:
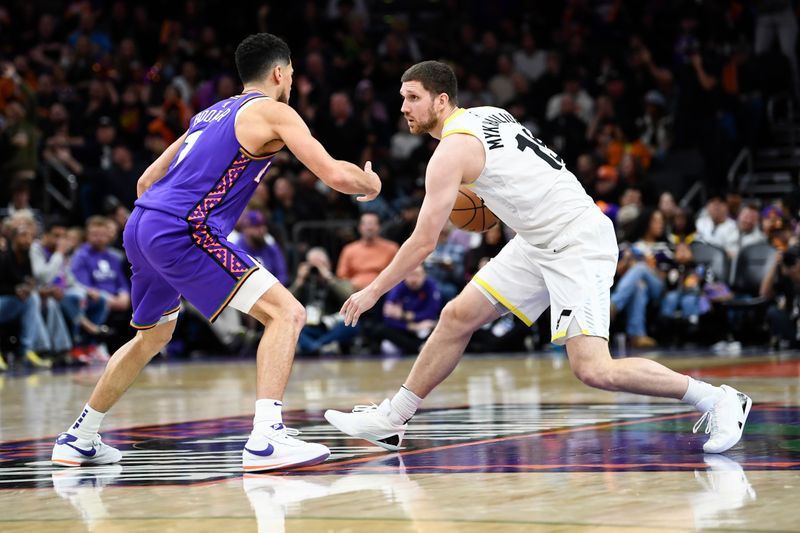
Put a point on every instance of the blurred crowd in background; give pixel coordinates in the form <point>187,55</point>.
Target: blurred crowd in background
<point>641,99</point>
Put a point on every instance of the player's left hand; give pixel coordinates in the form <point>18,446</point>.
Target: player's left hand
<point>359,302</point>
<point>370,197</point>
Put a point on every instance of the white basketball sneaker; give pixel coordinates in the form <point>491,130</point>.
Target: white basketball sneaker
<point>279,449</point>
<point>725,421</point>
<point>370,422</point>
<point>70,450</point>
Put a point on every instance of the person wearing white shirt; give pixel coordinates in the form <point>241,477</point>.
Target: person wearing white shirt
<point>748,222</point>
<point>716,227</point>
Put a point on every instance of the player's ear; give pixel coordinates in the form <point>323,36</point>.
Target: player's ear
<point>277,74</point>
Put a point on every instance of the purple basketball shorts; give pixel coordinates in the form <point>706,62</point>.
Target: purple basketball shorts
<point>171,258</point>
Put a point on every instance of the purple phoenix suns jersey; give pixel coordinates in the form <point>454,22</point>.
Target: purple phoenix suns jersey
<point>211,180</point>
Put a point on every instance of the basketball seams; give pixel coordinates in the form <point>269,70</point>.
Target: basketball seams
<point>474,208</point>
<point>464,215</point>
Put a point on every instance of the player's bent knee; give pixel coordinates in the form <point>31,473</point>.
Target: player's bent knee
<point>454,316</point>
<point>598,375</point>
<point>155,339</point>
<point>296,314</point>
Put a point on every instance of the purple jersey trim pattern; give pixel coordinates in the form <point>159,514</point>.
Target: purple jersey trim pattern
<point>197,217</point>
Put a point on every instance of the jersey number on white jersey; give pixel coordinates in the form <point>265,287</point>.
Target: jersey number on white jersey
<point>529,141</point>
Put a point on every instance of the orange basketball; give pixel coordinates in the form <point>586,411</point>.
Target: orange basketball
<point>470,213</point>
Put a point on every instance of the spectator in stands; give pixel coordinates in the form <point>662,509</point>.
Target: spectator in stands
<point>492,241</point>
<point>640,281</point>
<point>410,312</point>
<point>400,227</point>
<point>715,226</point>
<point>582,102</point>
<point>123,175</point>
<point>684,283</point>
<point>567,131</point>
<point>445,265</point>
<point>99,271</point>
<point>49,254</point>
<point>322,293</point>
<point>340,130</point>
<point>258,243</point>
<point>631,206</point>
<point>781,285</point>
<point>501,84</point>
<point>682,228</point>
<point>655,125</point>
<point>749,231</point>
<point>776,226</point>
<point>49,260</point>
<point>20,198</point>
<point>668,208</point>
<point>19,136</point>
<point>19,299</point>
<point>505,334</point>
<point>607,188</point>
<point>528,59</point>
<point>287,207</point>
<point>361,261</point>
<point>96,161</point>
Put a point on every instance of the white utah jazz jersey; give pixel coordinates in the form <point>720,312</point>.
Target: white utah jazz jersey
<point>524,183</point>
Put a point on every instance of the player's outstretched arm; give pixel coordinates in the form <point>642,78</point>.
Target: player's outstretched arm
<point>158,168</point>
<point>442,179</point>
<point>340,175</point>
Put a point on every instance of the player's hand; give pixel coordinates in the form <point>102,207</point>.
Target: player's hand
<point>370,197</point>
<point>359,302</point>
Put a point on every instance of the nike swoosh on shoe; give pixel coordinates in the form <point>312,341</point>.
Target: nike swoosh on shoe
<point>266,452</point>
<point>68,439</point>
<point>88,453</point>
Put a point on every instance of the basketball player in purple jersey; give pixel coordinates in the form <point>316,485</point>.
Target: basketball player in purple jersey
<point>189,200</point>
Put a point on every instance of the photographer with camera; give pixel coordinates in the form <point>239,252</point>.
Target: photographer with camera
<point>782,286</point>
<point>322,293</point>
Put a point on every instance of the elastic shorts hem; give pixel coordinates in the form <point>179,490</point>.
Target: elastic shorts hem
<point>492,293</point>
<point>256,281</point>
<point>167,316</point>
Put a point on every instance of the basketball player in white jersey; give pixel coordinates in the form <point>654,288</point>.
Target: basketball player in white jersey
<point>563,256</point>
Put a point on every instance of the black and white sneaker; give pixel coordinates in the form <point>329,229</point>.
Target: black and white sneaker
<point>725,421</point>
<point>370,422</point>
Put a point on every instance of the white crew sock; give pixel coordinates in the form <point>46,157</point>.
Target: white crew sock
<point>404,404</point>
<point>702,395</point>
<point>268,413</point>
<point>87,424</point>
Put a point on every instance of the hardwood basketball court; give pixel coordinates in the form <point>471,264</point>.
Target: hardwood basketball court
<point>507,443</point>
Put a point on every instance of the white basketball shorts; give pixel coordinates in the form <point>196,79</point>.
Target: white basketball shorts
<point>573,275</point>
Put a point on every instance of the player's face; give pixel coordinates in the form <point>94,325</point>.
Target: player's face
<point>286,83</point>
<point>418,108</point>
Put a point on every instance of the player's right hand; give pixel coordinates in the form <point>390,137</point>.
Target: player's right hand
<point>358,304</point>
<point>368,197</point>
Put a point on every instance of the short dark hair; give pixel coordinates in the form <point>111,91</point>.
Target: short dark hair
<point>436,78</point>
<point>259,53</point>
<point>54,221</point>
